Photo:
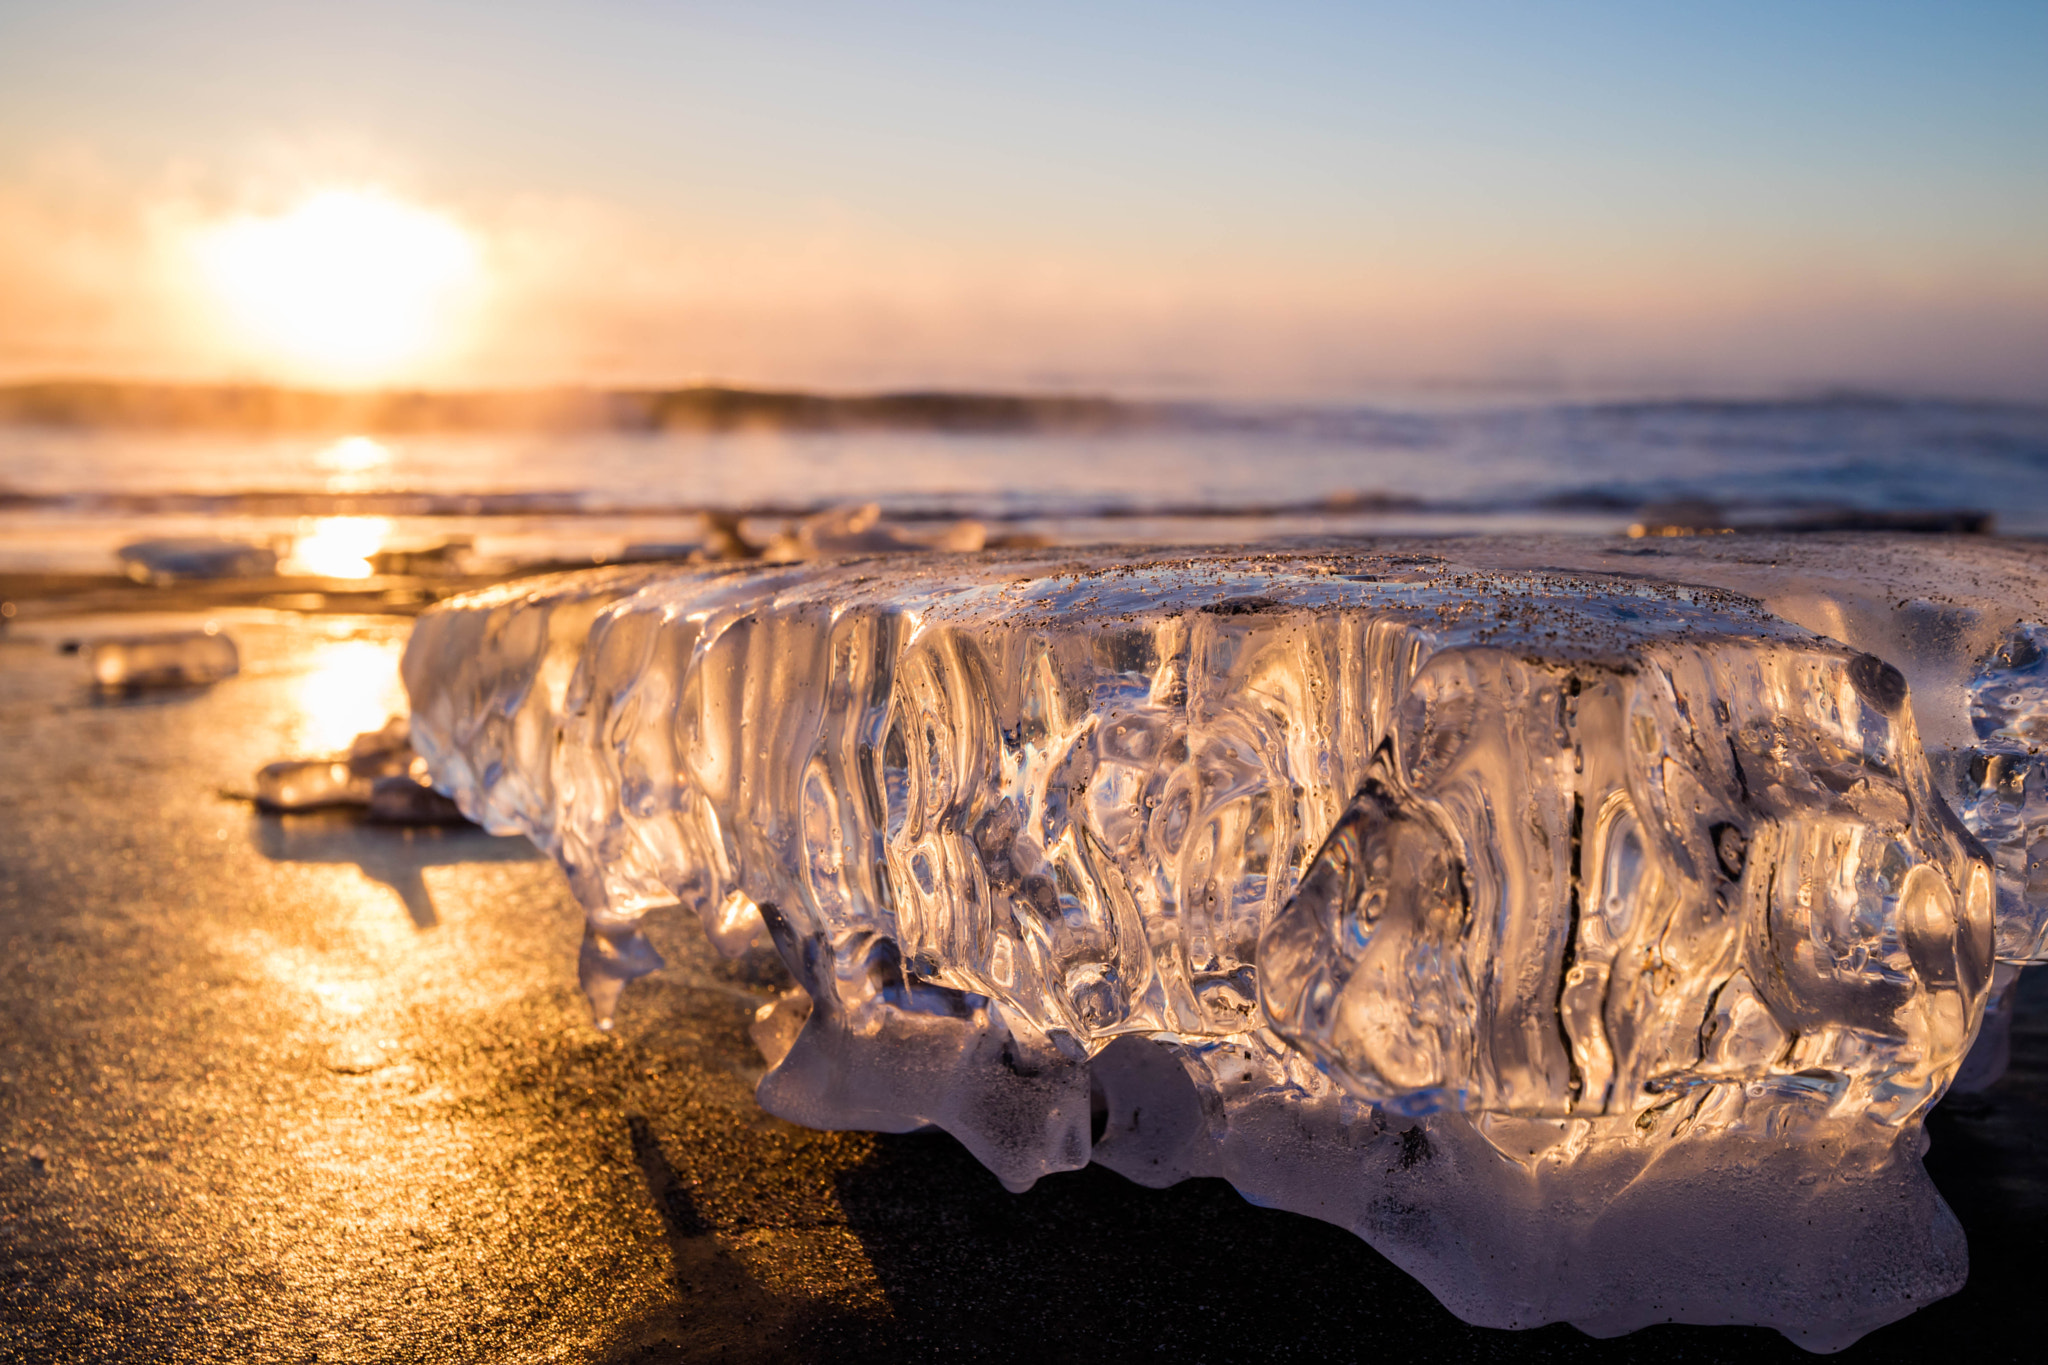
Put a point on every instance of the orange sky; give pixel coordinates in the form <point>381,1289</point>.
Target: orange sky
<point>1090,223</point>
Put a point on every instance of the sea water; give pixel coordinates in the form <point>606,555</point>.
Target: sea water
<point>70,498</point>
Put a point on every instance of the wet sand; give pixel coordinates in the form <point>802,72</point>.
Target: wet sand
<point>298,1089</point>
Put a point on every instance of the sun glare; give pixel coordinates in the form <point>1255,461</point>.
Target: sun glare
<point>351,687</point>
<point>353,455</point>
<point>354,464</point>
<point>351,285</point>
<point>336,547</point>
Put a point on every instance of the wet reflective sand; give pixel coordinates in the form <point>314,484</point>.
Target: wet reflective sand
<point>301,1089</point>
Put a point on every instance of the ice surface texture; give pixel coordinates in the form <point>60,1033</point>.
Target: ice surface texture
<point>1591,944</point>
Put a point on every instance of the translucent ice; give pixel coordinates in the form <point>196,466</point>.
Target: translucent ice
<point>860,529</point>
<point>1590,941</point>
<point>406,800</point>
<point>344,779</point>
<point>179,559</point>
<point>186,658</point>
<point>2003,783</point>
<point>1962,619</point>
<point>294,784</point>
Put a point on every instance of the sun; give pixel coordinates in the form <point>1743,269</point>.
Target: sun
<point>347,286</point>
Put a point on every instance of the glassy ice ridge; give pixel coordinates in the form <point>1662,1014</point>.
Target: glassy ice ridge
<point>1590,942</point>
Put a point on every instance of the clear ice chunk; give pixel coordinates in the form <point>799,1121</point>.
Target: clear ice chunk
<point>345,779</point>
<point>860,529</point>
<point>1590,941</point>
<point>405,800</point>
<point>182,558</point>
<point>295,784</point>
<point>186,658</point>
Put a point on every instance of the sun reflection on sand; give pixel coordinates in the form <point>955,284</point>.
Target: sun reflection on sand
<point>336,547</point>
<point>351,687</point>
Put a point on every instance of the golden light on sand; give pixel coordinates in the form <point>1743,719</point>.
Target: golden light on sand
<point>349,286</point>
<point>351,687</point>
<point>336,547</point>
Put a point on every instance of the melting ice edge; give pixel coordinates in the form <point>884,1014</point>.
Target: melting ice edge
<point>1590,940</point>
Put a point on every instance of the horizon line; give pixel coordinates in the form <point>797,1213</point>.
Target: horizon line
<point>717,405</point>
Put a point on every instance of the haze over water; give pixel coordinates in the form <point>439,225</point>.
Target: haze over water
<point>1200,473</point>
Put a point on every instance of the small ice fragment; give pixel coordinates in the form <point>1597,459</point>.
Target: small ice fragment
<point>450,557</point>
<point>859,529</point>
<point>309,784</point>
<point>188,658</point>
<point>404,800</point>
<point>382,752</point>
<point>345,779</point>
<point>660,551</point>
<point>195,557</point>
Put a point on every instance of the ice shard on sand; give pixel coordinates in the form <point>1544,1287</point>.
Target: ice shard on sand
<point>1590,942</point>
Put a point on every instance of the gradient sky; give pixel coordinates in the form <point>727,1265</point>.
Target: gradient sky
<point>1274,199</point>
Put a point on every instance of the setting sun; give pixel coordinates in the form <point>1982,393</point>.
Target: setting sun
<point>349,285</point>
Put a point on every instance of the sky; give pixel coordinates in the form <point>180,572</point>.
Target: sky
<point>1273,200</point>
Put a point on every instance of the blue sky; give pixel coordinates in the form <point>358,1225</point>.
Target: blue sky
<point>1733,194</point>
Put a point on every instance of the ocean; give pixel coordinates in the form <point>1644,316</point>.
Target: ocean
<point>71,493</point>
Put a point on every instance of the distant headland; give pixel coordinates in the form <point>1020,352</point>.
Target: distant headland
<point>258,408</point>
